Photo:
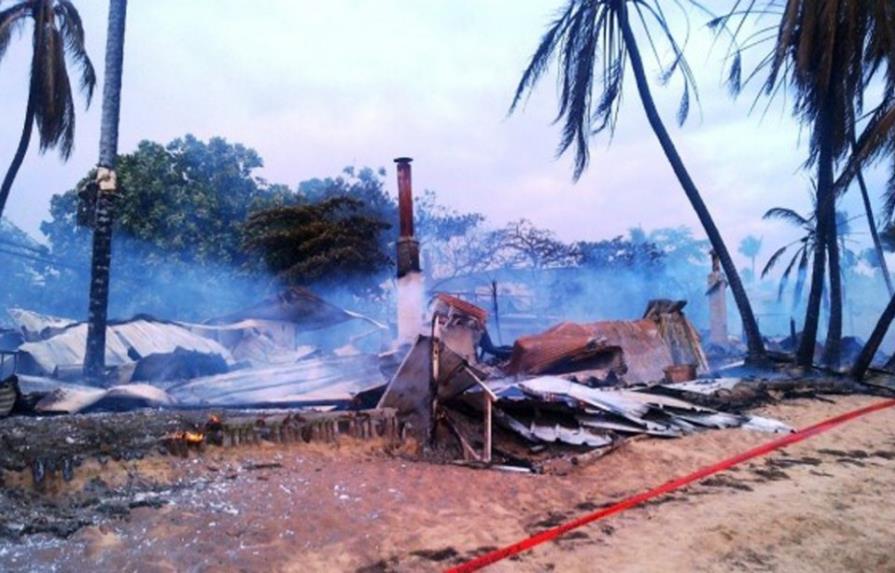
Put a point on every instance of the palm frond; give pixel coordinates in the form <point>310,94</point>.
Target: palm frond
<point>54,108</point>
<point>785,214</point>
<point>773,260</point>
<point>11,20</point>
<point>541,58</point>
<point>73,32</point>
<point>586,43</point>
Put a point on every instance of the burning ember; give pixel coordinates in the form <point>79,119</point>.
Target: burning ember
<point>179,443</point>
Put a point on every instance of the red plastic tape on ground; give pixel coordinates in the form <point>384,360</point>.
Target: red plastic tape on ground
<point>550,534</point>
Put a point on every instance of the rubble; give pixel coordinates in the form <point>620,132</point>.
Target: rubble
<point>8,394</point>
<point>56,486</point>
<point>573,389</point>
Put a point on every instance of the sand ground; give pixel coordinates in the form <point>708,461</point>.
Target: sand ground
<point>827,504</point>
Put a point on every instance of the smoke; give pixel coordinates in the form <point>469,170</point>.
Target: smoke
<point>145,281</point>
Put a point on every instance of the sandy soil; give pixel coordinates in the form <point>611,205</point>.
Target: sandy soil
<point>822,505</point>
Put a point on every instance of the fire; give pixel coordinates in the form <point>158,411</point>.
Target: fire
<point>190,438</point>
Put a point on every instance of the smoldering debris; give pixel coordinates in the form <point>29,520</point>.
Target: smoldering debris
<point>255,357</point>
<point>559,395</point>
<point>61,473</point>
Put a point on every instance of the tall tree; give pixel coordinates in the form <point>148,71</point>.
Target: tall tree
<point>594,42</point>
<point>57,33</point>
<point>750,246</point>
<point>828,53</point>
<point>106,186</point>
<point>329,241</point>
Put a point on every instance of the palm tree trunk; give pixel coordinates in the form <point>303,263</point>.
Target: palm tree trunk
<point>19,157</point>
<point>95,359</point>
<point>805,353</point>
<point>834,330</point>
<point>874,232</point>
<point>873,343</point>
<point>756,349</point>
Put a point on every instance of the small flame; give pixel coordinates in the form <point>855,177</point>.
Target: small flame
<point>191,438</point>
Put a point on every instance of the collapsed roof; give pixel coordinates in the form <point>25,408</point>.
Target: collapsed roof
<point>36,326</point>
<point>126,343</point>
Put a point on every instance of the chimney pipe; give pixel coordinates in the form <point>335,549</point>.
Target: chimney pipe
<point>410,280</point>
<point>405,196</point>
<point>408,246</point>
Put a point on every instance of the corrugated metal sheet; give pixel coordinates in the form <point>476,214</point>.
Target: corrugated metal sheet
<point>72,399</point>
<point>580,415</point>
<point>331,380</point>
<point>34,325</point>
<point>144,336</point>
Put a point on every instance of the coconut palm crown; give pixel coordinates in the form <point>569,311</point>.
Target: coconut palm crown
<point>57,35</point>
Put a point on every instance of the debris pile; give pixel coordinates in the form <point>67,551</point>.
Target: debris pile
<point>571,389</point>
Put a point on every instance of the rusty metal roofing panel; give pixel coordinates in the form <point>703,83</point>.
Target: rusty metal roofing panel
<point>476,312</point>
<point>645,351</point>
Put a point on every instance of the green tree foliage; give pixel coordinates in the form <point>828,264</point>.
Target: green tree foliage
<point>184,201</point>
<point>180,240</point>
<point>619,253</point>
<point>178,221</point>
<point>330,241</point>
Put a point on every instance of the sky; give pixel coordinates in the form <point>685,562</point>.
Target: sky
<point>316,86</point>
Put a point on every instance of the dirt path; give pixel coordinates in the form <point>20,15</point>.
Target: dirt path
<point>822,505</point>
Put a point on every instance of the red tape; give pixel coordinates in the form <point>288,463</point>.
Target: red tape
<point>550,534</point>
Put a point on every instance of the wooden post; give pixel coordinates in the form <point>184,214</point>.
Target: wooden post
<point>487,453</point>
<point>490,397</point>
<point>435,354</point>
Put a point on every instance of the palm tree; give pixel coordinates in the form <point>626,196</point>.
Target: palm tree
<point>95,359</point>
<point>750,246</point>
<point>593,42</point>
<point>828,53</point>
<point>57,33</point>
<point>803,248</point>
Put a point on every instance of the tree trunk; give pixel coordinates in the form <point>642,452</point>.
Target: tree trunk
<point>873,343</point>
<point>756,350</point>
<point>95,359</point>
<point>805,354</point>
<point>19,157</point>
<point>874,232</point>
<point>834,330</point>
